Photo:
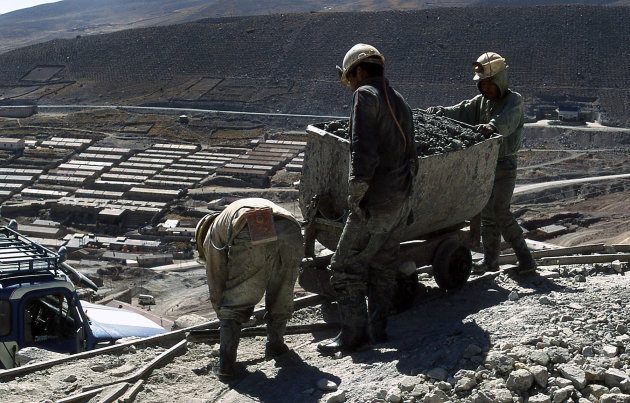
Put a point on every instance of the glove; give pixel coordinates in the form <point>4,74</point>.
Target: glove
<point>435,110</point>
<point>486,129</point>
<point>356,191</point>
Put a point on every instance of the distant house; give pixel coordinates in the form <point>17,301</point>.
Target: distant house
<point>11,144</point>
<point>568,113</point>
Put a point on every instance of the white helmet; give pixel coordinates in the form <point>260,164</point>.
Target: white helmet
<point>488,65</point>
<point>357,54</point>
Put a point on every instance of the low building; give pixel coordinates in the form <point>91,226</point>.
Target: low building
<point>11,144</point>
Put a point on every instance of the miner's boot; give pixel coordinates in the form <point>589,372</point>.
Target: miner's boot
<point>353,317</point>
<point>379,308</point>
<point>491,240</point>
<point>275,345</point>
<point>526,263</point>
<point>230,334</point>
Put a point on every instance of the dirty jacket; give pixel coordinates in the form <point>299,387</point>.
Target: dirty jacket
<point>224,228</point>
<point>379,156</point>
<point>504,113</point>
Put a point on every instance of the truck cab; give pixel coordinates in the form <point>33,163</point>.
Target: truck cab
<point>39,305</point>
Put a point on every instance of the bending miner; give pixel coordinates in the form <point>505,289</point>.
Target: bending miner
<point>383,161</point>
<point>496,110</point>
<point>252,248</point>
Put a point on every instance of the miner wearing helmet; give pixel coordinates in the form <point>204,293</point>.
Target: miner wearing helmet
<point>252,248</point>
<point>382,164</point>
<point>496,110</point>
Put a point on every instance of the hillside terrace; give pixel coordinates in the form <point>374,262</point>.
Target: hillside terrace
<point>286,62</point>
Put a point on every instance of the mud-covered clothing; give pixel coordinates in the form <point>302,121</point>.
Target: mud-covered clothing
<point>505,114</point>
<point>367,252</point>
<point>380,155</point>
<point>384,160</point>
<point>496,217</point>
<point>239,273</point>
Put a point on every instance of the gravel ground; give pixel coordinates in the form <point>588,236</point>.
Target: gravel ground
<point>561,335</point>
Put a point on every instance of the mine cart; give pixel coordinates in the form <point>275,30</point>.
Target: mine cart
<point>451,189</point>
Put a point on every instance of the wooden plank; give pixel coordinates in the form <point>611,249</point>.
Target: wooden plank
<point>571,250</point>
<point>585,259</point>
<point>130,394</point>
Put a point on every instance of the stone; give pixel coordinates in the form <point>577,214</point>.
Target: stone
<point>562,382</point>
<point>615,398</point>
<point>617,266</point>
<point>472,350</point>
<point>613,377</point>
<point>394,395</point>
<point>558,355</point>
<point>579,278</point>
<point>545,300</point>
<point>541,375</point>
<point>407,383</point>
<point>482,397</point>
<point>98,368</point>
<point>503,396</point>
<point>539,398</point>
<point>596,390</point>
<point>539,357</point>
<point>420,390</point>
<point>520,380</point>
<point>593,373</point>
<point>621,329</point>
<point>610,351</point>
<point>575,374</point>
<point>436,396</point>
<point>513,296</point>
<point>326,385</point>
<point>188,320</point>
<point>465,384</point>
<point>561,395</point>
<point>438,373</point>
<point>337,397</point>
<point>70,378</point>
<point>588,351</point>
<point>499,362</point>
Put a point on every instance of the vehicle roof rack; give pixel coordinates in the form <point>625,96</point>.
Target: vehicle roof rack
<point>20,255</point>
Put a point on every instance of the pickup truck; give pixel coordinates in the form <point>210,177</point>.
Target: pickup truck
<point>39,305</point>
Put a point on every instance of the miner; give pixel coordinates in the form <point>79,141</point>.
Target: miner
<point>496,109</point>
<point>252,248</point>
<point>382,164</point>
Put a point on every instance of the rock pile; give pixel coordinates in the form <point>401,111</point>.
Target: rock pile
<point>432,134</point>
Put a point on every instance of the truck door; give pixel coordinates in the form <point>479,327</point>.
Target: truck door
<point>8,345</point>
<point>50,321</point>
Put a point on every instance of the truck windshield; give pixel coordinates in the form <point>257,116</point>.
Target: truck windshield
<point>47,317</point>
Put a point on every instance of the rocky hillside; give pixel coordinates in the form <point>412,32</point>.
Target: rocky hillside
<point>286,62</point>
<point>68,18</point>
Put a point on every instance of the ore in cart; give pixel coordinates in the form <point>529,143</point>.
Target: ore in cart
<point>450,190</point>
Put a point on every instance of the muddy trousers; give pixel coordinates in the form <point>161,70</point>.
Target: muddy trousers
<point>497,220</point>
<point>253,271</point>
<point>365,265</point>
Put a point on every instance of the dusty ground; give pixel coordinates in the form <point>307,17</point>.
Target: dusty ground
<point>561,334</point>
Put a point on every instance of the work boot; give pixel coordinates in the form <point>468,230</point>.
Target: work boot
<point>230,333</point>
<point>526,263</point>
<point>491,240</point>
<point>379,308</point>
<point>275,345</point>
<point>353,335</point>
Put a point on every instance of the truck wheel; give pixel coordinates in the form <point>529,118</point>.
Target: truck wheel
<point>452,264</point>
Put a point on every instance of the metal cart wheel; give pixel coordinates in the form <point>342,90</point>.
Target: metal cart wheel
<point>452,264</point>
